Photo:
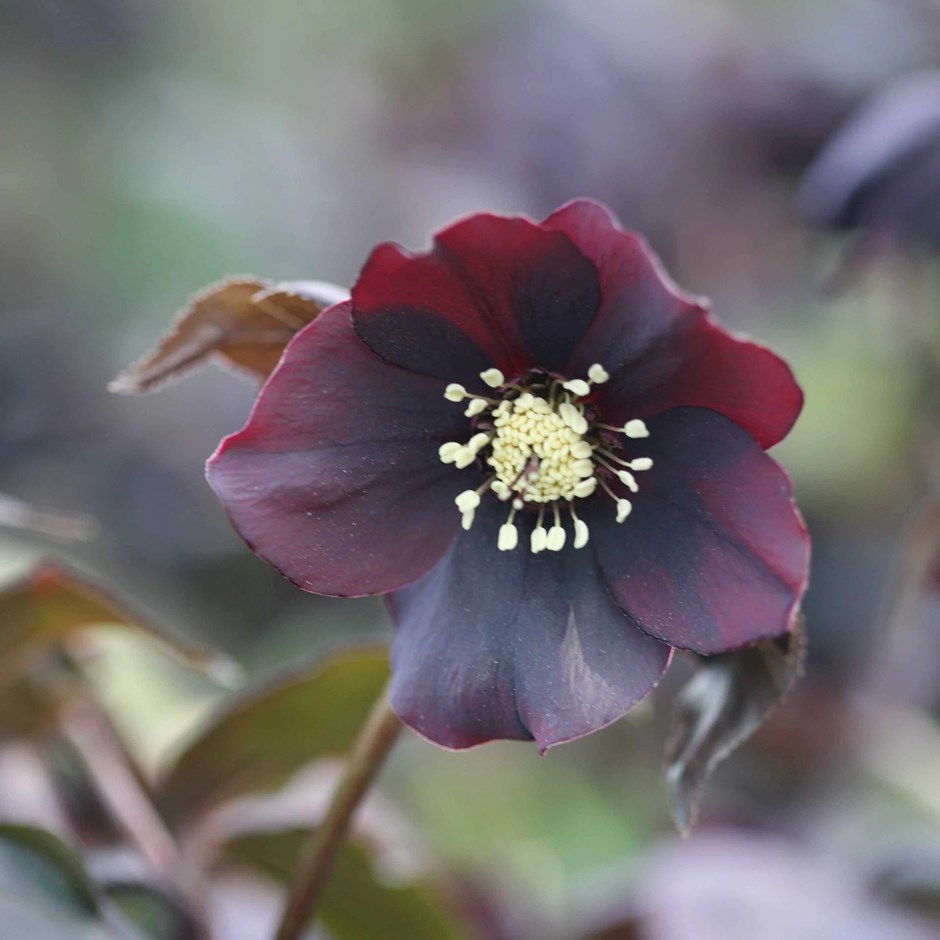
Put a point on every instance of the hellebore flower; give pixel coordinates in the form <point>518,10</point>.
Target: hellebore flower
<point>603,441</point>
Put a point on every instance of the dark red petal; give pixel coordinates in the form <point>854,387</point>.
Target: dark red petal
<point>659,344</point>
<point>714,555</point>
<point>514,645</point>
<point>493,291</point>
<point>335,480</point>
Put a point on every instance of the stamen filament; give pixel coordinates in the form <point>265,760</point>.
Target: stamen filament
<point>612,456</point>
<point>638,463</point>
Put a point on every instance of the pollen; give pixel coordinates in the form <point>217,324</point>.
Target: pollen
<point>544,450</point>
<point>533,452</point>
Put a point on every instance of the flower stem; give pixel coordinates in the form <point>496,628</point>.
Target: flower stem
<point>375,741</point>
<point>119,784</point>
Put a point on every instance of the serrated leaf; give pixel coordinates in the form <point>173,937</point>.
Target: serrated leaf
<point>723,704</point>
<point>246,322</point>
<point>54,602</point>
<point>355,905</point>
<point>263,735</point>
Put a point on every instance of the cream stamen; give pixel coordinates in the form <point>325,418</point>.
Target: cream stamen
<point>585,487</point>
<point>556,534</point>
<point>467,501</point>
<point>508,537</point>
<point>478,442</point>
<point>448,452</point>
<point>628,480</point>
<point>577,387</point>
<point>465,457</point>
<point>542,449</point>
<point>624,508</point>
<point>538,541</point>
<point>581,534</point>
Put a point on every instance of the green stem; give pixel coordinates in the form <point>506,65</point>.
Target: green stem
<point>373,745</point>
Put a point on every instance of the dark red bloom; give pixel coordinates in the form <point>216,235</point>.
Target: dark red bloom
<point>602,437</point>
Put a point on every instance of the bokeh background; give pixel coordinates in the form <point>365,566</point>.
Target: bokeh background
<point>150,147</point>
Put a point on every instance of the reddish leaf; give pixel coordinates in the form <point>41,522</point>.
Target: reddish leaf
<point>53,602</point>
<point>27,708</point>
<point>246,322</point>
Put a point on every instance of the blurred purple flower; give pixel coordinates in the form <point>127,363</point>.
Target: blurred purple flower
<point>740,886</point>
<point>603,440</point>
<point>881,170</point>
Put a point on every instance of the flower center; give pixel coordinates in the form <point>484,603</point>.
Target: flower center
<point>535,453</point>
<point>545,452</point>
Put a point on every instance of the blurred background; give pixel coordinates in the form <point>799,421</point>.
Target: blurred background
<point>150,147</point>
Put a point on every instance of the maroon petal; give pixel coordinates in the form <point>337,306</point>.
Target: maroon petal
<point>714,555</point>
<point>659,344</point>
<point>335,480</point>
<point>492,291</point>
<point>515,645</point>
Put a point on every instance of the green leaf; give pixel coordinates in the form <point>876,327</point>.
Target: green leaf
<point>355,906</point>
<point>54,602</point>
<point>45,893</point>
<point>57,857</point>
<point>265,734</point>
<point>152,911</point>
<point>723,704</point>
